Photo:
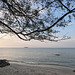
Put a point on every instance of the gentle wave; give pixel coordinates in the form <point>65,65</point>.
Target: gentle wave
<point>41,63</point>
<point>40,56</point>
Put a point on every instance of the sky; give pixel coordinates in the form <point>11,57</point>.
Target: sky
<point>14,41</point>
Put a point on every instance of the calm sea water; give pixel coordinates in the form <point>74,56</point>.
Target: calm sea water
<point>45,56</point>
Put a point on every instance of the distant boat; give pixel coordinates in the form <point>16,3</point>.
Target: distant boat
<point>57,54</point>
<point>25,47</point>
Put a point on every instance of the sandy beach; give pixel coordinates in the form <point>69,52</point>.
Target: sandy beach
<point>18,69</point>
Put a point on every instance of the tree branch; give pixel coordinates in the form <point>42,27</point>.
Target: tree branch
<point>64,5</point>
<point>53,24</point>
<point>32,22</point>
<point>9,5</point>
<point>13,31</point>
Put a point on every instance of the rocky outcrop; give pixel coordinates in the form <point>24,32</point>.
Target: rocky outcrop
<point>4,63</point>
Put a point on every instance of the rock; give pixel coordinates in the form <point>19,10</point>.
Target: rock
<point>57,54</point>
<point>73,70</point>
<point>4,63</point>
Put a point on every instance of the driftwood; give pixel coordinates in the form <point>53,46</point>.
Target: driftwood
<point>4,63</point>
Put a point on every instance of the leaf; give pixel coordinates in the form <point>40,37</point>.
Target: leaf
<point>41,22</point>
<point>36,13</point>
<point>69,16</point>
<point>73,15</point>
<point>28,8</point>
<point>68,4</point>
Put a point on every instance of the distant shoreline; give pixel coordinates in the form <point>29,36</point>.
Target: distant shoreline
<point>36,47</point>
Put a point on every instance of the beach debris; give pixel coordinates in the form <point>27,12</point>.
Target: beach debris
<point>73,70</point>
<point>4,63</point>
<point>57,54</point>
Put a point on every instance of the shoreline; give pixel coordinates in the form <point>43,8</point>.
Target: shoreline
<point>26,69</point>
<point>42,64</point>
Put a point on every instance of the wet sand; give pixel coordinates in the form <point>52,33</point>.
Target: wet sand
<point>18,69</point>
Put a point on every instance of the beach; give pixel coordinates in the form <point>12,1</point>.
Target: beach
<point>20,69</point>
<point>38,61</point>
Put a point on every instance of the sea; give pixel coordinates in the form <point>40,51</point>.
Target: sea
<point>40,56</point>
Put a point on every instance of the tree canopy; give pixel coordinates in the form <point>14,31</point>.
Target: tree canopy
<point>35,19</point>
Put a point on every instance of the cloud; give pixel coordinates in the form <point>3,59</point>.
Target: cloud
<point>71,23</point>
<point>16,42</point>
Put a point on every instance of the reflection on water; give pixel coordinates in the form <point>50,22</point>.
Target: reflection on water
<point>45,56</point>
